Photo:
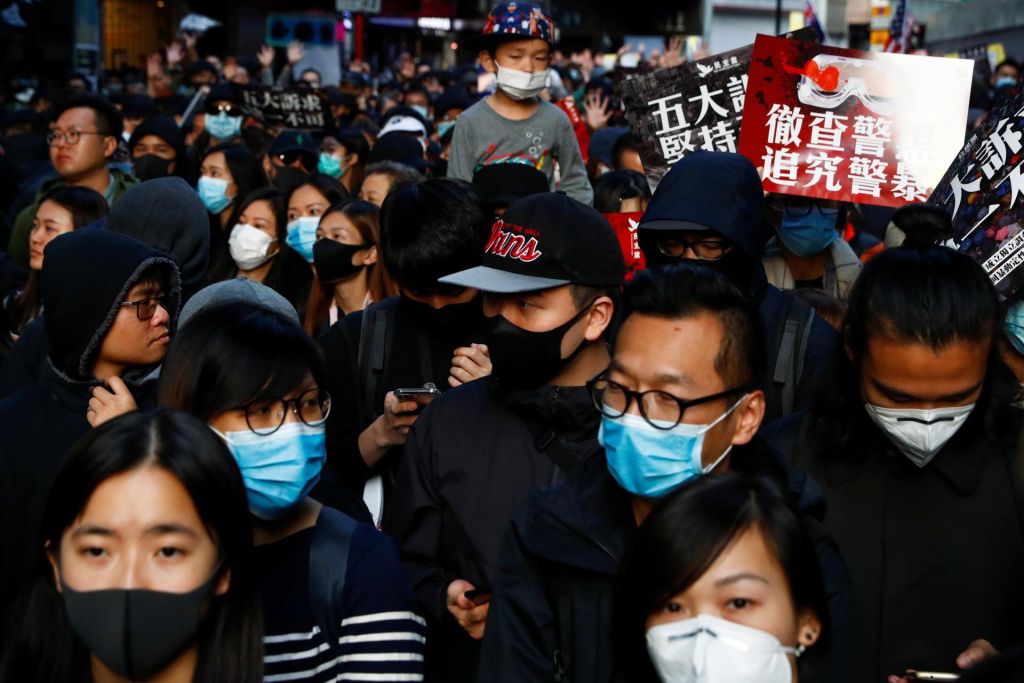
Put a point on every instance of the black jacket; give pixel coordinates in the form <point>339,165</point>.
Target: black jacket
<point>552,610</point>
<point>470,462</point>
<point>935,553</point>
<point>87,275</point>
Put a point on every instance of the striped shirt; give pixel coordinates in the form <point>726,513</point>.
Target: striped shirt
<point>382,638</point>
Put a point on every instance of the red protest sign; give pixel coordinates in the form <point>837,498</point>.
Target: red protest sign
<point>866,127</point>
<point>625,226</point>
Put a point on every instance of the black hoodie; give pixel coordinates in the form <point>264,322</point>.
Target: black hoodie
<point>85,277</point>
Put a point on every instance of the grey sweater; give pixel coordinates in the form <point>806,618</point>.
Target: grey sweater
<point>484,137</point>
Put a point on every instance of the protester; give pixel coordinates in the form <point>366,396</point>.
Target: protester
<point>227,173</point>
<point>723,579</point>
<point>382,177</point>
<point>920,418</point>
<point>82,139</point>
<point>621,192</point>
<point>503,184</point>
<point>223,116</point>
<point>157,148</point>
<point>516,46</point>
<point>709,208</point>
<point>336,603</point>
<point>292,158</point>
<point>599,151</point>
<point>548,301</point>
<point>110,306</point>
<point>807,250</point>
<point>344,158</point>
<point>306,203</point>
<point>61,210</point>
<point>143,563</point>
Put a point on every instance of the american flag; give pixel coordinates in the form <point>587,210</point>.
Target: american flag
<point>811,19</point>
<point>899,29</point>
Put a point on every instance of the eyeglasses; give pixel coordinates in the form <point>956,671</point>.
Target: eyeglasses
<point>288,158</point>
<point>660,409</point>
<point>146,308</point>
<point>229,109</point>
<point>265,416</point>
<point>705,248</point>
<point>71,137</point>
<point>799,209</point>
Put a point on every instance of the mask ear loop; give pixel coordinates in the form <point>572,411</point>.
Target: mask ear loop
<point>716,463</point>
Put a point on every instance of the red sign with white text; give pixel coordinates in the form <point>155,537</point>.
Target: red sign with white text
<point>625,226</point>
<point>866,127</point>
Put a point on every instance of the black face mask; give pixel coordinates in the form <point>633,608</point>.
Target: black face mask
<point>523,359</point>
<point>333,260</point>
<point>135,632</point>
<point>287,177</point>
<point>736,268</point>
<point>151,166</point>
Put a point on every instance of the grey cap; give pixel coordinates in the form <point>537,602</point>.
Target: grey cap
<point>239,290</point>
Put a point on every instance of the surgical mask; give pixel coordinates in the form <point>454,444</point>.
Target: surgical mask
<point>808,235</point>
<point>151,166</point>
<point>333,260</point>
<point>280,469</point>
<point>331,165</point>
<point>707,649</point>
<point>223,127</point>
<point>249,246</point>
<point>1005,82</point>
<point>525,359</point>
<point>287,177</point>
<point>421,110</point>
<point>136,633</point>
<point>651,462</point>
<point>443,127</point>
<point>213,193</point>
<point>521,85</point>
<point>302,236</point>
<point>919,434</point>
<point>1014,325</point>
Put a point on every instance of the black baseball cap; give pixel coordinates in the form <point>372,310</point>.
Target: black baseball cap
<point>504,184</point>
<point>544,241</point>
<point>294,141</point>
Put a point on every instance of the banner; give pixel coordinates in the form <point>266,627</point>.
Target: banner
<point>983,191</point>
<point>625,226</point>
<point>293,108</point>
<point>831,123</point>
<point>696,105</point>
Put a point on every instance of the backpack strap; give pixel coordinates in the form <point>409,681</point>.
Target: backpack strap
<point>328,564</point>
<point>547,441</point>
<point>789,362</point>
<point>375,338</point>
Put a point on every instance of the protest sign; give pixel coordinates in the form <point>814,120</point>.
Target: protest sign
<point>696,105</point>
<point>831,123</point>
<point>983,190</point>
<point>293,108</point>
<point>625,226</point>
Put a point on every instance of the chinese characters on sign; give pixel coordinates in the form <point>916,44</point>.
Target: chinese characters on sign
<point>300,109</point>
<point>984,191</point>
<point>852,126</point>
<point>625,226</point>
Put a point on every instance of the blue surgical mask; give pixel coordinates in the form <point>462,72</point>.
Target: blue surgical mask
<point>1005,82</point>
<point>212,192</point>
<point>223,127</point>
<point>302,236</point>
<point>330,164</point>
<point>811,234</point>
<point>1014,325</point>
<point>651,462</point>
<point>280,469</point>
<point>444,127</point>
<point>422,111</point>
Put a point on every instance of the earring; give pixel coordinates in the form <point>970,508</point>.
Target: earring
<point>799,650</point>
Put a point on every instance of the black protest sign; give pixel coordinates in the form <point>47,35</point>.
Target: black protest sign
<point>292,108</point>
<point>983,190</point>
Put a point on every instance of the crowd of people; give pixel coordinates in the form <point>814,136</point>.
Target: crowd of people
<point>394,401</point>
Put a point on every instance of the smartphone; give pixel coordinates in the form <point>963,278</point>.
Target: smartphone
<point>478,597</point>
<point>422,395</point>
<point>931,676</point>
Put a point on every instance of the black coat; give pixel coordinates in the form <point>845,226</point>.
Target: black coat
<point>553,606</point>
<point>935,553</point>
<point>470,461</point>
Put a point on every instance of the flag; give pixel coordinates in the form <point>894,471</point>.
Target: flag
<point>899,29</point>
<point>811,19</point>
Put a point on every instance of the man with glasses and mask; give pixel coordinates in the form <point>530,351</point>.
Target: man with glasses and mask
<point>807,251</point>
<point>551,272</point>
<point>82,139</point>
<point>111,303</point>
<point>709,208</point>
<point>291,158</point>
<point>680,398</point>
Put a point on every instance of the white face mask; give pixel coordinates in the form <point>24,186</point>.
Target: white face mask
<point>521,85</point>
<point>249,246</point>
<point>920,434</point>
<point>707,649</point>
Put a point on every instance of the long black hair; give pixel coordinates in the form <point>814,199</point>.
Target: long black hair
<point>683,536</point>
<point>40,645</point>
<point>928,295</point>
<point>246,172</point>
<point>235,353</point>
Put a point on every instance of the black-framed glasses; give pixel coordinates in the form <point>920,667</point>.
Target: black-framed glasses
<point>265,416</point>
<point>71,137</point>
<point>230,109</point>
<point>799,208</point>
<point>659,409</point>
<point>705,248</point>
<point>146,308</point>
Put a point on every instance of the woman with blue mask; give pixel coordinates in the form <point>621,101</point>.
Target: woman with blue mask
<point>307,202</point>
<point>255,377</point>
<point>228,174</point>
<point>807,250</point>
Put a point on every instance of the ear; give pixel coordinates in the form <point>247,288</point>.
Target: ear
<point>267,166</point>
<point>808,627</point>
<point>748,417</point>
<point>371,256</point>
<point>487,61</point>
<point>55,566</point>
<point>599,319</point>
<point>224,583</point>
<point>109,146</point>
